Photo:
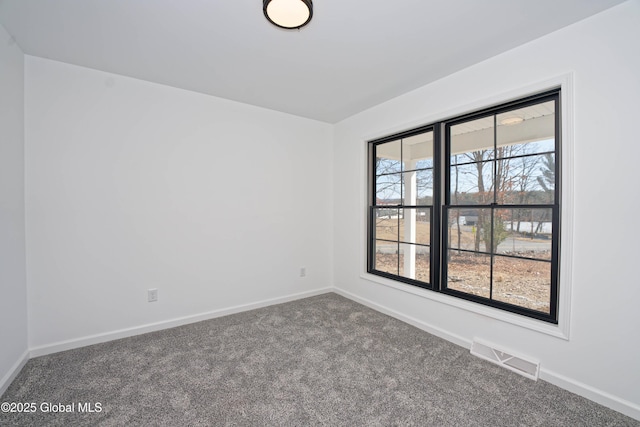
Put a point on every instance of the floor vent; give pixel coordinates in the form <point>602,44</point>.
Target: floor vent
<point>506,358</point>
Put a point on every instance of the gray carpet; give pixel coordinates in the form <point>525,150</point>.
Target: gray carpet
<point>323,360</point>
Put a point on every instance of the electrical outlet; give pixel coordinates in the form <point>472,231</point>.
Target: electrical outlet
<point>152,295</point>
<point>303,271</point>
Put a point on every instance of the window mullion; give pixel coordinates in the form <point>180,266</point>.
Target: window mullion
<point>494,202</point>
<point>494,161</point>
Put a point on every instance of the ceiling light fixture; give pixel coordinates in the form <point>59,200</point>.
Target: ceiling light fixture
<point>510,121</point>
<point>288,14</point>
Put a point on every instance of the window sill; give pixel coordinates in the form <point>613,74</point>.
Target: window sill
<point>515,319</point>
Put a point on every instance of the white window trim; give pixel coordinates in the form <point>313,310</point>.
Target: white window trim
<point>562,329</point>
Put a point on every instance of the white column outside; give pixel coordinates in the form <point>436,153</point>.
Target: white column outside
<point>410,198</point>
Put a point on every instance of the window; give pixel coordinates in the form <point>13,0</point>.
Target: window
<point>469,206</point>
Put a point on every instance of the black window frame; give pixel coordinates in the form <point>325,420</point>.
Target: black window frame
<point>441,204</point>
<point>434,216</point>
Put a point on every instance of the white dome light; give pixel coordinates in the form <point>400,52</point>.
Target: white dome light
<point>289,14</point>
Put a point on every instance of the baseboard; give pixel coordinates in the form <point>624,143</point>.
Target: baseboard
<point>433,330</point>
<point>606,399</point>
<point>166,324</point>
<point>6,381</point>
<point>603,398</point>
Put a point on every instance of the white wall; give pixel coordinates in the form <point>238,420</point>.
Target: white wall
<point>601,358</point>
<point>13,288</point>
<point>132,185</point>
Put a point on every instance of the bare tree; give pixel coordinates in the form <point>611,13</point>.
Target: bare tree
<point>507,178</point>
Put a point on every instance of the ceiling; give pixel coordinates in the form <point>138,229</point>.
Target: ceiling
<point>353,55</point>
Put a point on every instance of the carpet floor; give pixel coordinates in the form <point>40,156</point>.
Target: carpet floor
<point>319,361</point>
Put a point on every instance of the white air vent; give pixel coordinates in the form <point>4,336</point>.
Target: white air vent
<point>506,358</point>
